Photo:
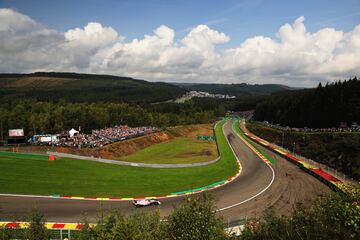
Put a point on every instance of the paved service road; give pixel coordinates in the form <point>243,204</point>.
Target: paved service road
<point>290,186</point>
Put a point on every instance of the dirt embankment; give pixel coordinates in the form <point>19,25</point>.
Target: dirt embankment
<point>123,148</point>
<point>120,149</point>
<point>192,130</point>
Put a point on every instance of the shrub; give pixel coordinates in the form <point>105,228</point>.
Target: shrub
<point>36,229</point>
<point>334,217</point>
<point>195,219</point>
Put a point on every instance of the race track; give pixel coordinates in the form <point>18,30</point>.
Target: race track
<point>289,187</point>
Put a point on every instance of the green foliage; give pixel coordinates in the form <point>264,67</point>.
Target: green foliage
<point>6,233</point>
<point>140,226</point>
<point>335,217</point>
<point>317,108</point>
<point>195,219</point>
<point>85,232</point>
<point>247,103</point>
<point>339,150</point>
<point>36,229</point>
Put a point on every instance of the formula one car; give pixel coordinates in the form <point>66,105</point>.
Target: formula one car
<point>146,202</point>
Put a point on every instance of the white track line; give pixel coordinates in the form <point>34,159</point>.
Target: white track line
<point>256,195</point>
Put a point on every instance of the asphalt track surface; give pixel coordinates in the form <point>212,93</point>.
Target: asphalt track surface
<point>291,186</point>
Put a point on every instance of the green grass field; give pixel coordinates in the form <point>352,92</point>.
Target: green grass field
<point>179,150</point>
<point>34,174</point>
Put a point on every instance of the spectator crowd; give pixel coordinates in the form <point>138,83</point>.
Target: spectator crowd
<point>101,137</point>
<point>353,128</point>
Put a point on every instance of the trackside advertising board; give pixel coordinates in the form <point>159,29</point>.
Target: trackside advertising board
<point>16,132</point>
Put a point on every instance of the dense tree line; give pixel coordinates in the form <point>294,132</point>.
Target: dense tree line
<point>325,106</point>
<point>53,117</point>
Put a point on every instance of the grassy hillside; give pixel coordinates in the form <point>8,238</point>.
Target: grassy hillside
<point>238,90</point>
<point>339,150</point>
<point>76,87</point>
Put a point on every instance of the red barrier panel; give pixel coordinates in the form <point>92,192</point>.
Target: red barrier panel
<point>325,175</point>
<point>12,225</point>
<point>292,157</point>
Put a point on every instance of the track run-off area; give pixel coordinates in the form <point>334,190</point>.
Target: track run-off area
<point>265,180</point>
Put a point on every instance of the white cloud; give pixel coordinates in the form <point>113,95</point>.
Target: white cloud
<point>16,22</point>
<point>203,39</point>
<point>295,57</point>
<point>93,35</point>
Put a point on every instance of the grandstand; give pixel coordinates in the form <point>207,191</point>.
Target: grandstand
<point>97,138</point>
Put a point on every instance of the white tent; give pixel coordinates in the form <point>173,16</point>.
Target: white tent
<point>72,132</point>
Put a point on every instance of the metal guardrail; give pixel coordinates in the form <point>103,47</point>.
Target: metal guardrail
<point>132,164</point>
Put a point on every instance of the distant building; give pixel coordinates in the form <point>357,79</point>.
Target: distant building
<point>200,94</point>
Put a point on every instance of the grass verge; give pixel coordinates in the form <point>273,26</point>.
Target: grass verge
<point>241,133</point>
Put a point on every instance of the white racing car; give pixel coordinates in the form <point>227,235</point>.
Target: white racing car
<point>146,202</point>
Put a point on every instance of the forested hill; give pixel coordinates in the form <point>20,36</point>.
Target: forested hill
<point>74,87</point>
<point>239,90</point>
<point>325,106</point>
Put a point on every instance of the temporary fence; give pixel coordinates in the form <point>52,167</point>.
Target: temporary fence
<point>57,231</point>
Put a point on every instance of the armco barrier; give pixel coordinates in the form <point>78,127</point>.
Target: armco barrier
<point>132,164</point>
<point>331,181</point>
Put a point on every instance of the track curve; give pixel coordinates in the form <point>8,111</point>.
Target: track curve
<point>237,199</point>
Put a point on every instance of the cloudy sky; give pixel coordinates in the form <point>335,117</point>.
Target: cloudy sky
<point>228,41</point>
